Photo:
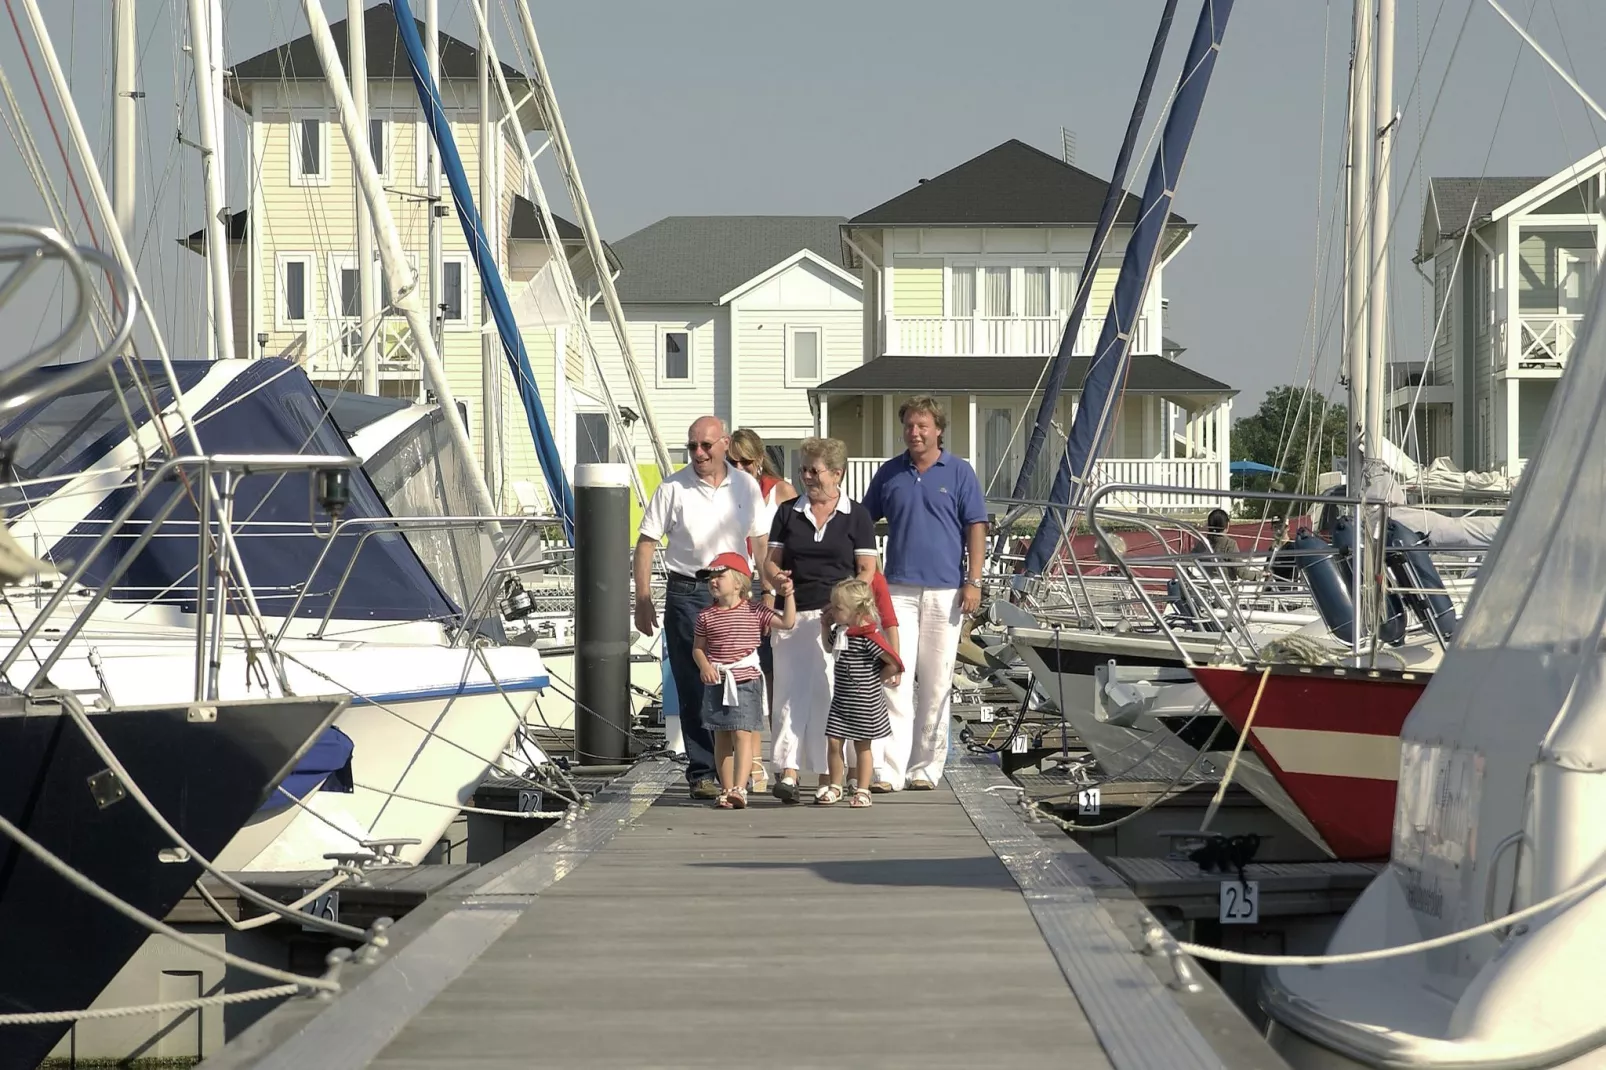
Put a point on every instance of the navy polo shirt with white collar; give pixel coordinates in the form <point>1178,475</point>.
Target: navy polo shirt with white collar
<point>927,515</point>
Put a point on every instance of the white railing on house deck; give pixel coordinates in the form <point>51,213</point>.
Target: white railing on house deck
<point>1200,475</point>
<point>332,350</point>
<point>1547,339</point>
<point>995,336</point>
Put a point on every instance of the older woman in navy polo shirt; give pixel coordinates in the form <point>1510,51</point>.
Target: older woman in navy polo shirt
<point>819,539</point>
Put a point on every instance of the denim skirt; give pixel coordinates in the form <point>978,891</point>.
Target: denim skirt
<point>746,716</point>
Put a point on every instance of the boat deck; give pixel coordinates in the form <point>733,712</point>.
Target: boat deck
<point>933,930</point>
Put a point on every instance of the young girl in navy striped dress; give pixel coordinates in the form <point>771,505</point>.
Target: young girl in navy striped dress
<point>725,643</point>
<point>865,661</point>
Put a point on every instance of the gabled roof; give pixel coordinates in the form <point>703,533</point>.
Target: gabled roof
<point>698,259</point>
<point>298,60</point>
<point>1452,202</point>
<point>1148,374</point>
<point>1011,185</point>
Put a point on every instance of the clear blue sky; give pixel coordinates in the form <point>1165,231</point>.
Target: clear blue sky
<point>713,106</point>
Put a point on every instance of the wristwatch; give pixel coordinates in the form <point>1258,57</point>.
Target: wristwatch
<point>971,583</point>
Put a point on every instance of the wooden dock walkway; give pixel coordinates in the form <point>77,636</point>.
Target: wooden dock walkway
<point>932,930</point>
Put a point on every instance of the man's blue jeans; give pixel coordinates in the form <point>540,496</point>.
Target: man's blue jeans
<point>686,599</point>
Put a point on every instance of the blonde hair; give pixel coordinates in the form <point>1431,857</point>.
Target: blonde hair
<point>746,445</point>
<point>854,600</point>
<point>927,404</point>
<point>744,582</point>
<point>832,451</point>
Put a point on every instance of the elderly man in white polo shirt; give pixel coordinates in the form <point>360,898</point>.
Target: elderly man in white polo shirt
<point>708,508</point>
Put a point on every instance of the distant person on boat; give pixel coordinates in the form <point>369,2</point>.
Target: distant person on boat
<point>747,453</point>
<point>725,647</point>
<point>817,541</point>
<point>936,546</point>
<point>708,508</point>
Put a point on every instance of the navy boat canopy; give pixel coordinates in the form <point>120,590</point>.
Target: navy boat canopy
<point>326,765</point>
<point>268,407</point>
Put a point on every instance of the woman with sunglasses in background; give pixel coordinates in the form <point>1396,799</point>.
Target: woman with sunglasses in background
<point>747,453</point>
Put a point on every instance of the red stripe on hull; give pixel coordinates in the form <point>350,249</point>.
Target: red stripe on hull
<point>1354,815</point>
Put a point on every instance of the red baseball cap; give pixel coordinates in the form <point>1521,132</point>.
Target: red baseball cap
<point>728,560</point>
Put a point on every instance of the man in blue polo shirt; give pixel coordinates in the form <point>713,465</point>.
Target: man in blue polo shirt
<point>936,542</point>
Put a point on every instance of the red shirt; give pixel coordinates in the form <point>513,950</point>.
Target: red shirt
<point>731,634</point>
<point>883,600</point>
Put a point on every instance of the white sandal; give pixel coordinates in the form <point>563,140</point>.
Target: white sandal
<point>829,795</point>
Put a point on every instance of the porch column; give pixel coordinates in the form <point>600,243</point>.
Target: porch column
<point>889,426</point>
<point>1513,416</point>
<point>971,445</point>
<point>1226,443</point>
<point>1149,428</point>
<point>825,415</point>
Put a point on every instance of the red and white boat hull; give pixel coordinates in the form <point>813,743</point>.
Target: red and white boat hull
<point>1331,736</point>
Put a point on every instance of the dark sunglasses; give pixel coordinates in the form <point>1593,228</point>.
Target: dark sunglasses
<point>706,447</point>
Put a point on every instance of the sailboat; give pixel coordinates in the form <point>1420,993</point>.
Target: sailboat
<point>1501,784</point>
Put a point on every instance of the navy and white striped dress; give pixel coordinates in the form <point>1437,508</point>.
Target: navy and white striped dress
<point>858,697</point>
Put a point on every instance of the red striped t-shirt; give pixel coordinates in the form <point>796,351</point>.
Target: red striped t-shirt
<point>731,634</point>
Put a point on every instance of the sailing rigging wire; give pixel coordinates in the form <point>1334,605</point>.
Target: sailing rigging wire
<point>84,884</point>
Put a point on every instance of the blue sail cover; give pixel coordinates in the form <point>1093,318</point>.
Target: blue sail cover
<point>1106,374</point>
<point>1112,203</point>
<point>546,446</point>
<point>326,765</point>
<point>269,407</point>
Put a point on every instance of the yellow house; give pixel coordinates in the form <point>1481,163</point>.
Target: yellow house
<point>293,251</point>
<point>968,280</point>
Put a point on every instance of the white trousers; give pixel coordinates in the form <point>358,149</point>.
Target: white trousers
<point>928,641</point>
<point>802,695</point>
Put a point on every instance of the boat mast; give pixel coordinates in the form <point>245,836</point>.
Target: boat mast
<point>125,115</point>
<point>1357,259</point>
<point>432,58</point>
<point>1383,137</point>
<point>548,101</point>
<point>403,280</point>
<point>367,310</point>
<point>490,211</point>
<point>217,249</point>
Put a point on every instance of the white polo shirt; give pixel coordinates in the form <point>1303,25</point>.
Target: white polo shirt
<point>702,521</point>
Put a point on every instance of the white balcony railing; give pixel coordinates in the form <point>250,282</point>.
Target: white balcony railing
<point>1547,339</point>
<point>1201,475</point>
<point>996,336</point>
<point>333,346</point>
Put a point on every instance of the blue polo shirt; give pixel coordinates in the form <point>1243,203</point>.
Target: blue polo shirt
<point>927,515</point>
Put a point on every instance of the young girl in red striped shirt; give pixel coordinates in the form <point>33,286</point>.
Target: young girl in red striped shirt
<point>725,645</point>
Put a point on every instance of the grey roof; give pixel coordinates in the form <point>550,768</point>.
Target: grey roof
<point>1453,201</point>
<point>697,259</point>
<point>298,60</point>
<point>1012,184</point>
<point>1148,374</point>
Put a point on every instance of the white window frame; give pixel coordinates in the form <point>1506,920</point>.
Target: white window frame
<point>339,262</point>
<point>387,139</point>
<point>467,321</point>
<point>297,176</point>
<point>659,355</point>
<point>281,320</point>
<point>791,376</point>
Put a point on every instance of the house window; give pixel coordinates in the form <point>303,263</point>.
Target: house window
<point>674,358</point>
<point>1036,284</point>
<point>452,298</point>
<point>309,152</point>
<point>295,290</point>
<point>350,293</point>
<point>803,356</point>
<point>962,292</point>
<point>591,438</point>
<point>379,145</point>
<point>995,292</point>
<point>1065,300</point>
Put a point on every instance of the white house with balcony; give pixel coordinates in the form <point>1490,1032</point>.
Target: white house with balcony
<point>1514,262</point>
<point>969,278</point>
<point>293,250</point>
<point>735,316</point>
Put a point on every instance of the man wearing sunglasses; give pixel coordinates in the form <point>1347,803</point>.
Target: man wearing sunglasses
<point>706,509</point>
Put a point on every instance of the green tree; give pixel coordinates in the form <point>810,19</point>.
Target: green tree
<point>1296,429</point>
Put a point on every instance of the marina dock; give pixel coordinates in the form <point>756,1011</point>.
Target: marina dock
<point>934,929</point>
